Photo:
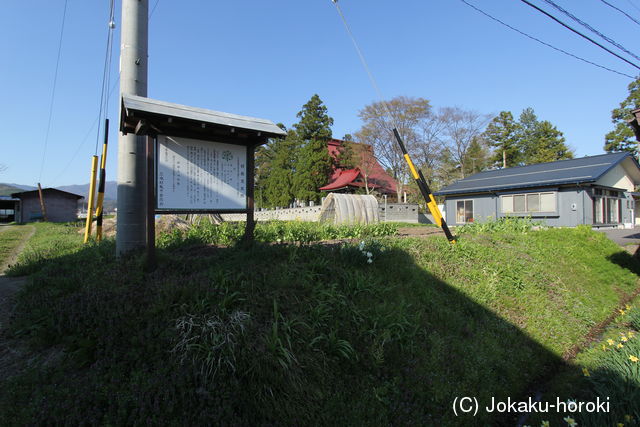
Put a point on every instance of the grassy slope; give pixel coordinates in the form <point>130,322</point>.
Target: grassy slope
<point>308,335</point>
<point>10,239</point>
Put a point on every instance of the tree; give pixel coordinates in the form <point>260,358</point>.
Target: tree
<point>549,145</point>
<point>622,138</point>
<point>540,141</point>
<point>276,169</point>
<point>313,162</point>
<point>502,134</point>
<point>407,115</point>
<point>476,157</point>
<point>462,128</point>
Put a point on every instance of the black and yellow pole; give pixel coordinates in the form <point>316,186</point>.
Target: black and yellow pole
<point>424,189</point>
<point>90,204</point>
<point>102,182</point>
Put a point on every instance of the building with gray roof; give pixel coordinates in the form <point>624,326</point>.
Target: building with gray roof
<point>594,190</point>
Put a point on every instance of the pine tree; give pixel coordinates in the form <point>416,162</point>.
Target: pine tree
<point>476,158</point>
<point>313,162</point>
<point>502,134</point>
<point>277,185</point>
<point>540,141</point>
<point>622,137</point>
<point>549,145</point>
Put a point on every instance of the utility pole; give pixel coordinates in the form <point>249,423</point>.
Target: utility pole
<point>132,170</point>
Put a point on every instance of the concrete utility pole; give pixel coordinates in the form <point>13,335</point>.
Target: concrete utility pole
<point>132,200</point>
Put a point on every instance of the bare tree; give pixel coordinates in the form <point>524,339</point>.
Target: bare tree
<point>3,167</point>
<point>462,127</point>
<point>408,115</point>
<point>427,151</point>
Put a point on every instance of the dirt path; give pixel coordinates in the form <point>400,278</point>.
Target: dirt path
<point>10,285</point>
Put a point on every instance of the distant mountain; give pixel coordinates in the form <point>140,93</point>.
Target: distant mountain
<point>7,189</point>
<point>110,190</point>
<point>110,193</point>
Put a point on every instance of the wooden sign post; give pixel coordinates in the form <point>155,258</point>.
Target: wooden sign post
<point>198,161</point>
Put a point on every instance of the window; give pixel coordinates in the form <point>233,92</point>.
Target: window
<point>528,203</point>
<point>464,211</point>
<point>607,208</point>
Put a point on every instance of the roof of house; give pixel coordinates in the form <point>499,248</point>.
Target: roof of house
<point>22,194</point>
<point>175,119</point>
<point>562,172</point>
<point>377,177</point>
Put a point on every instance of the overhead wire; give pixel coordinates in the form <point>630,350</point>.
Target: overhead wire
<point>106,73</point>
<point>96,120</point>
<point>634,5</point>
<point>621,11</point>
<point>590,28</point>
<point>543,42</point>
<point>372,79</point>
<point>544,12</point>
<point>53,90</point>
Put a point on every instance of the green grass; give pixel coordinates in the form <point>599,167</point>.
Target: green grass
<point>607,369</point>
<point>49,241</point>
<point>229,233</point>
<point>306,334</point>
<point>10,239</point>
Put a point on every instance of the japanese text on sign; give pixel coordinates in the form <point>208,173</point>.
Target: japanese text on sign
<point>200,175</point>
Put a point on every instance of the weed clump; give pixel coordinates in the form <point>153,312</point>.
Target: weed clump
<point>509,224</point>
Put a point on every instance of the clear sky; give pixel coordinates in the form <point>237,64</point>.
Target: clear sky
<point>267,58</point>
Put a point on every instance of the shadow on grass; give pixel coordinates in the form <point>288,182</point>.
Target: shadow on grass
<point>270,335</point>
<point>625,260</point>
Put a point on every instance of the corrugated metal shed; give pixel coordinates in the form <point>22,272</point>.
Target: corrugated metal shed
<point>177,120</point>
<point>563,172</point>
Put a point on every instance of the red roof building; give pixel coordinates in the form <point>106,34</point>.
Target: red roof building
<point>368,170</point>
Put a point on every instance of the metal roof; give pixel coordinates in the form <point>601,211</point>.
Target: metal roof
<point>21,194</point>
<point>176,119</point>
<point>562,172</point>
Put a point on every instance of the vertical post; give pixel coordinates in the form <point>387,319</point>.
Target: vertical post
<point>151,205</point>
<point>42,207</point>
<point>131,217</point>
<point>504,159</point>
<point>102,182</point>
<point>251,224</point>
<point>90,202</point>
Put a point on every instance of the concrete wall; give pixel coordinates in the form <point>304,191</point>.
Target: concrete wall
<point>398,212</point>
<point>60,208</point>
<point>311,213</point>
<point>395,212</point>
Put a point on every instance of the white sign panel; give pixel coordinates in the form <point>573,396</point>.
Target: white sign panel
<point>200,175</point>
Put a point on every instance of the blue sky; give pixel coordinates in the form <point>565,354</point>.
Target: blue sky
<point>267,58</point>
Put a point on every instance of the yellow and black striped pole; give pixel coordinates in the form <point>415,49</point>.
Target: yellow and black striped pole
<point>92,191</point>
<point>424,189</point>
<point>102,183</point>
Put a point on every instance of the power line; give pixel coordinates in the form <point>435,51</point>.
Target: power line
<point>621,11</point>
<point>106,73</point>
<point>634,5</point>
<point>364,63</point>
<point>96,120</point>
<point>578,33</point>
<point>53,90</point>
<point>542,42</point>
<point>86,137</point>
<point>590,28</point>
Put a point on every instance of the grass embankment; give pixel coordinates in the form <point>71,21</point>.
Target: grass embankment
<point>50,241</point>
<point>10,239</point>
<point>309,334</point>
<point>609,369</point>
